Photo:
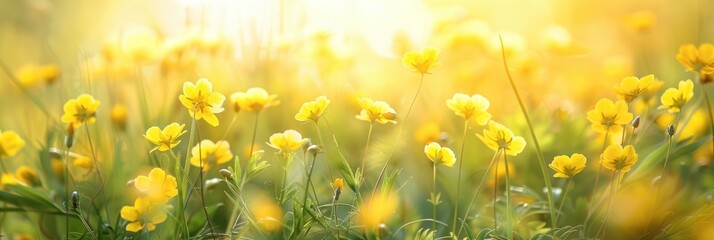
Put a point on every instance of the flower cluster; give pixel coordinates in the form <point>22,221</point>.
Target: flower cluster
<point>149,209</point>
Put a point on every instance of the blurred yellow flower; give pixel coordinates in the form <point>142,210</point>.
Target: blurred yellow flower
<point>210,154</point>
<point>157,186</point>
<point>608,116</point>
<point>422,61</point>
<point>338,184</point>
<point>165,139</point>
<point>696,60</point>
<point>119,116</point>
<point>376,210</point>
<point>83,162</point>
<point>470,106</point>
<point>378,111</point>
<point>498,137</point>
<point>641,21</point>
<point>430,132</point>
<point>440,155</point>
<point>140,45</point>
<point>313,110</point>
<point>287,141</point>
<point>674,98</point>
<point>27,175</point>
<point>31,75</point>
<point>10,144</point>
<point>617,158</point>
<point>145,214</point>
<point>697,126</point>
<point>631,87</point>
<point>80,110</point>
<point>268,215</point>
<point>253,100</point>
<point>7,179</point>
<point>202,102</point>
<point>567,167</point>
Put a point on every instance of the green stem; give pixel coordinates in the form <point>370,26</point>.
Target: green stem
<point>95,161</point>
<point>307,185</point>
<point>458,179</point>
<point>660,181</point>
<point>200,179</point>
<point>366,149</point>
<point>541,159</point>
<point>597,181</point>
<point>399,136</point>
<point>234,213</point>
<point>711,115</point>
<point>230,126</point>
<point>495,196</point>
<point>434,198</point>
<point>613,191</point>
<point>255,131</point>
<point>478,190</point>
<point>562,202</point>
<point>509,212</point>
<point>322,145</point>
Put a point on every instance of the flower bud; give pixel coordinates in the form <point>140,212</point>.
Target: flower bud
<point>670,130</point>
<point>212,183</point>
<point>225,173</point>
<point>635,122</point>
<point>75,200</point>
<point>69,138</point>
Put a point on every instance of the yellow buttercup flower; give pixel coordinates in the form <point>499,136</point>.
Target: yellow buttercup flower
<point>119,116</point>
<point>267,214</point>
<point>617,158</point>
<point>377,209</point>
<point>253,100</point>
<point>287,141</point>
<point>145,214</point>
<point>313,110</point>
<point>498,137</point>
<point>430,132</point>
<point>470,106</point>
<point>641,21</point>
<point>697,59</point>
<point>157,186</point>
<point>422,61</point>
<point>80,110</point>
<point>202,102</point>
<point>210,154</point>
<point>567,167</point>
<point>10,144</point>
<point>165,139</point>
<point>631,87</point>
<point>83,162</point>
<point>608,116</point>
<point>31,75</point>
<point>440,155</point>
<point>7,179</point>
<point>674,98</point>
<point>27,175</point>
<point>376,111</point>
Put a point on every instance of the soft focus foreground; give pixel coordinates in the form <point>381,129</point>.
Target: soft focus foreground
<point>198,119</point>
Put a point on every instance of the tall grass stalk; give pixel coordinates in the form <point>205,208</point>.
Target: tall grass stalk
<point>366,150</point>
<point>234,213</point>
<point>200,176</point>
<point>613,191</point>
<point>661,180</point>
<point>541,159</point>
<point>509,211</point>
<point>458,179</point>
<point>568,182</point>
<point>478,190</point>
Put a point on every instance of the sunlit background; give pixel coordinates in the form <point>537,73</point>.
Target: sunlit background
<point>134,56</point>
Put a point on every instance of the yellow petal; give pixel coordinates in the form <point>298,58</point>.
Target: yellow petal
<point>129,214</point>
<point>134,227</point>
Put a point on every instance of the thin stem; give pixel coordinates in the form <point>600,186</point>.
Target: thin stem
<point>562,202</point>
<point>541,159</point>
<point>478,190</point>
<point>366,149</point>
<point>509,212</point>
<point>434,198</point>
<point>399,136</point>
<point>307,185</point>
<point>711,115</point>
<point>95,161</point>
<point>66,190</point>
<point>230,126</point>
<point>495,196</point>
<point>233,220</point>
<point>660,181</point>
<point>255,131</point>
<point>597,180</point>
<point>613,191</point>
<point>200,179</point>
<point>322,145</point>
<point>458,179</point>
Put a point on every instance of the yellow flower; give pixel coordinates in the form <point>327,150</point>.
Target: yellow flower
<point>253,100</point>
<point>313,110</point>
<point>378,111</point>
<point>202,102</point>
<point>641,21</point>
<point>268,215</point>
<point>567,167</point>
<point>145,214</point>
<point>80,110</point>
<point>119,116</point>
<point>618,159</point>
<point>10,144</point>
<point>470,106</point>
<point>608,116</point>
<point>338,184</point>
<point>27,176</point>
<point>7,179</point>
<point>157,186</point>
<point>287,141</point>
<point>440,155</point>
<point>210,154</point>
<point>498,137</point>
<point>631,87</point>
<point>165,139</point>
<point>375,211</point>
<point>83,162</point>
<point>430,132</point>
<point>31,75</point>
<point>674,98</point>
<point>696,60</point>
<point>423,61</point>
